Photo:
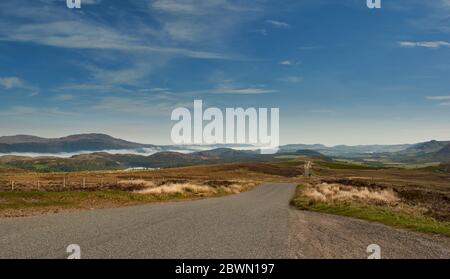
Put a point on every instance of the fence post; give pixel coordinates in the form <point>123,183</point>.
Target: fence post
<point>12,185</point>
<point>101,183</point>
<point>38,185</point>
<point>84,182</point>
<point>64,182</point>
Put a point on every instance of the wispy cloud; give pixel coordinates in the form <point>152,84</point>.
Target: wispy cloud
<point>292,79</point>
<point>242,91</point>
<point>64,29</point>
<point>63,97</point>
<point>18,84</point>
<point>262,31</point>
<point>286,62</point>
<point>321,111</point>
<point>425,44</point>
<point>440,98</point>
<point>278,24</point>
<point>27,111</point>
<point>443,100</point>
<point>11,82</point>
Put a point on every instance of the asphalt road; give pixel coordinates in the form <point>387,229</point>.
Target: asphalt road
<point>255,224</point>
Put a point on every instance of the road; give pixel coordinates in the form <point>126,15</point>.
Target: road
<point>256,224</point>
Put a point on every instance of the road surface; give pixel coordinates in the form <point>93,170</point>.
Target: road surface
<point>255,224</point>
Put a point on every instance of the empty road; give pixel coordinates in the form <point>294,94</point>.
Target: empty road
<point>255,224</point>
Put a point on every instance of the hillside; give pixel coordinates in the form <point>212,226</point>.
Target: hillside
<point>431,151</point>
<point>73,143</point>
<point>425,147</point>
<point>107,161</point>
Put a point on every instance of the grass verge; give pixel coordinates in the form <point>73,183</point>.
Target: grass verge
<point>334,165</point>
<point>375,213</point>
<point>18,204</point>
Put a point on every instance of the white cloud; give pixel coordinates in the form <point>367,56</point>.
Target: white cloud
<point>286,62</point>
<point>278,24</point>
<point>173,6</point>
<point>18,84</point>
<point>56,27</point>
<point>444,100</point>
<point>425,44</point>
<point>262,32</point>
<point>438,97</point>
<point>11,82</point>
<point>26,111</point>
<point>243,91</point>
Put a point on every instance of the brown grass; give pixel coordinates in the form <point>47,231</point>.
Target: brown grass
<point>325,192</point>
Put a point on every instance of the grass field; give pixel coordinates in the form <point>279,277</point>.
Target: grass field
<point>417,199</point>
<point>16,204</point>
<point>38,193</point>
<point>373,205</point>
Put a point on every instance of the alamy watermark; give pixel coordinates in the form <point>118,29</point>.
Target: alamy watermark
<point>239,126</point>
<point>74,251</point>
<point>374,251</point>
<point>73,4</point>
<point>374,4</point>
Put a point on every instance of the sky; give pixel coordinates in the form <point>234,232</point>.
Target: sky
<point>340,73</point>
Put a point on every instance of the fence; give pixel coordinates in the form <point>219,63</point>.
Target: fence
<point>63,184</point>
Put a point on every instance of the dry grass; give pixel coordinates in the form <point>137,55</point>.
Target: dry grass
<point>378,205</point>
<point>117,188</point>
<point>179,188</point>
<point>137,182</point>
<point>119,180</point>
<point>325,192</point>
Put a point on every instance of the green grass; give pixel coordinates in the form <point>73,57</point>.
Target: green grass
<point>345,166</point>
<point>290,163</point>
<point>382,214</point>
<point>19,200</point>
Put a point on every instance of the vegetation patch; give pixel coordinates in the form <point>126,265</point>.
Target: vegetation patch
<point>345,166</point>
<point>379,205</point>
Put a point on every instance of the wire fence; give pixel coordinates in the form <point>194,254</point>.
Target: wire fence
<point>63,184</point>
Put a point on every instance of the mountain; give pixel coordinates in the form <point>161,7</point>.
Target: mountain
<point>226,153</point>
<point>295,147</point>
<point>346,150</point>
<point>107,161</point>
<point>426,147</point>
<point>430,151</point>
<point>73,143</point>
<point>312,154</point>
<point>442,155</point>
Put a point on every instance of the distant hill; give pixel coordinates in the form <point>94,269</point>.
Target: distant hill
<point>346,150</point>
<point>426,147</point>
<point>312,154</point>
<point>442,155</point>
<point>106,161</point>
<point>430,151</point>
<point>295,147</point>
<point>74,143</point>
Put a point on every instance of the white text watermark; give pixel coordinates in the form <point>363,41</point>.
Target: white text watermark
<point>374,4</point>
<point>239,126</point>
<point>73,4</point>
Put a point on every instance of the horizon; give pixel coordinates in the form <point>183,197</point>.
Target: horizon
<point>219,144</point>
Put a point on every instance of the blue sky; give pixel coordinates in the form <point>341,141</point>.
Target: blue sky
<point>339,72</point>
